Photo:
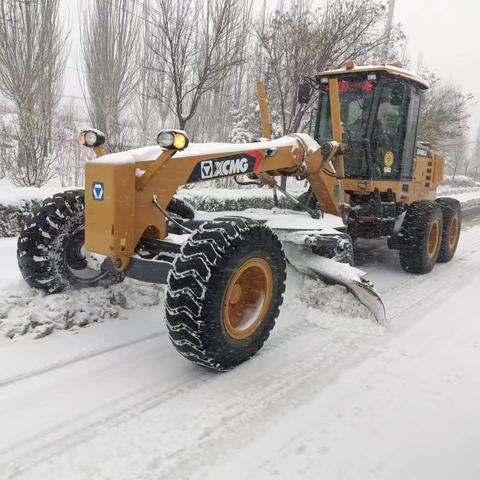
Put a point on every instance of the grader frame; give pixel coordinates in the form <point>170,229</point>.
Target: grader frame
<point>115,224</point>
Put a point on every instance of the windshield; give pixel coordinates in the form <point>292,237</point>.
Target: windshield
<point>356,96</point>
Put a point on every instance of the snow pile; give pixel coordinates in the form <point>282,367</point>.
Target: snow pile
<point>468,196</point>
<point>336,300</point>
<point>12,217</point>
<point>326,306</point>
<point>11,196</point>
<point>24,311</point>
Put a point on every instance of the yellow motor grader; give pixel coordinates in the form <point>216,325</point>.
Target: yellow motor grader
<point>226,277</point>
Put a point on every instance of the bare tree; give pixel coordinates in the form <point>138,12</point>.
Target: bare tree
<point>195,45</point>
<point>444,114</point>
<point>145,111</point>
<point>476,155</point>
<point>110,48</point>
<point>456,155</point>
<point>32,61</point>
<point>71,155</point>
<point>301,42</point>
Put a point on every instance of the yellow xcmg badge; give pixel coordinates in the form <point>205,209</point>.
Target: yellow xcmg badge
<point>388,160</point>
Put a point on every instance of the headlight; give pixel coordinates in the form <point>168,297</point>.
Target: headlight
<point>92,138</point>
<point>172,139</point>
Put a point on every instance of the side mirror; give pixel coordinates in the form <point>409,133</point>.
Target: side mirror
<point>304,93</point>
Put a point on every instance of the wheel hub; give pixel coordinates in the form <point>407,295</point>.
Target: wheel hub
<point>433,238</point>
<point>453,233</point>
<point>79,263</point>
<point>247,298</point>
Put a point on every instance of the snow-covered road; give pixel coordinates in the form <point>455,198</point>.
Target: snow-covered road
<point>331,395</point>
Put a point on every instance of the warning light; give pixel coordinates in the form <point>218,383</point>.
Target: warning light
<point>343,86</point>
<point>367,86</point>
<point>350,65</point>
<point>355,86</point>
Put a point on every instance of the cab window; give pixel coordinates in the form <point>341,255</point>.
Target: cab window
<point>389,130</point>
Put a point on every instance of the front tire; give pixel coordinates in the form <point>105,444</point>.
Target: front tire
<point>420,237</point>
<point>50,249</point>
<point>224,293</point>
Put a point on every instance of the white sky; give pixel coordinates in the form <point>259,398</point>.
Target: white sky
<point>446,33</point>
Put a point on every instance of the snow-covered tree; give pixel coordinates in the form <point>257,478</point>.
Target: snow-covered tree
<point>110,52</point>
<point>32,62</point>
<point>196,45</point>
<point>70,166</point>
<point>476,156</point>
<point>444,113</point>
<point>145,108</point>
<point>299,42</point>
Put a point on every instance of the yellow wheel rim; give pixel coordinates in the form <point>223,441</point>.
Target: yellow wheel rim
<point>433,238</point>
<point>247,298</point>
<point>453,233</point>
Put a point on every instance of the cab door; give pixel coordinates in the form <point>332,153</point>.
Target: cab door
<point>394,131</point>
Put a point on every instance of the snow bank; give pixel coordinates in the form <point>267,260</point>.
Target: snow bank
<point>16,203</point>
<point>459,181</point>
<point>11,196</point>
<point>466,192</point>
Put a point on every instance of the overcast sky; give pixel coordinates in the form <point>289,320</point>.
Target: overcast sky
<point>446,33</point>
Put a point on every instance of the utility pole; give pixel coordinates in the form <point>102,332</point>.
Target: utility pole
<point>388,30</point>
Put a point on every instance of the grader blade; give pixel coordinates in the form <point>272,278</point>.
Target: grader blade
<point>305,261</point>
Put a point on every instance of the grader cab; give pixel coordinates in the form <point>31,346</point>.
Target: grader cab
<point>226,277</point>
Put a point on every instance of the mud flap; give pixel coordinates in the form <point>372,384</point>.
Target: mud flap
<point>331,271</point>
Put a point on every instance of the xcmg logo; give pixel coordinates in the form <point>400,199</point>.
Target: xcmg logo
<point>223,167</point>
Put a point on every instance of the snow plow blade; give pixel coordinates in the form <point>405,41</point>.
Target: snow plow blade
<point>305,261</point>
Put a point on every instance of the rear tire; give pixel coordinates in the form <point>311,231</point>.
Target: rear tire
<point>452,224</point>
<point>420,237</point>
<point>50,248</point>
<point>224,293</point>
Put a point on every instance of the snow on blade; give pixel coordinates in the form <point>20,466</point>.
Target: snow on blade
<point>352,278</point>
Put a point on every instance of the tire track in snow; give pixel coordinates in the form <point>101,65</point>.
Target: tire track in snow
<point>307,369</point>
<point>416,290</point>
<point>153,399</point>
<point>135,406</point>
<point>80,358</point>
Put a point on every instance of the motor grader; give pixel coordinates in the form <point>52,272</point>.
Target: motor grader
<point>226,277</point>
